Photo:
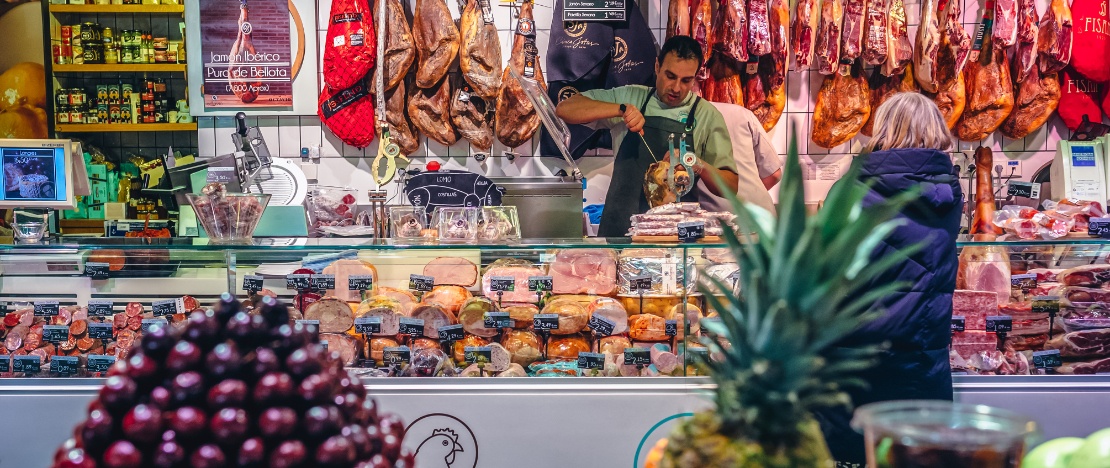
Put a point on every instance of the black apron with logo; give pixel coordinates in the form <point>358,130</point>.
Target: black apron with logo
<point>626,190</point>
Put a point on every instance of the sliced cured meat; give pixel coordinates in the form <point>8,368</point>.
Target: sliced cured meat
<point>956,39</point>
<point>974,307</point>
<point>437,42</point>
<point>990,97</point>
<point>678,18</point>
<point>951,95</point>
<point>1087,275</point>
<point>780,42</point>
<point>899,48</point>
<point>1025,56</point>
<point>343,269</point>
<point>1055,44</point>
<point>584,271</point>
<point>342,344</point>
<point>827,49</point>
<point>761,97</point>
<point>471,116</point>
<point>1096,366</point>
<point>349,51</point>
<point>701,27</point>
<point>427,107</point>
<point>523,345</point>
<point>472,317</point>
<point>429,362</point>
<point>400,48</point>
<point>969,342</point>
<point>875,42</point>
<point>516,120</point>
<point>519,270</point>
<point>334,314</point>
<point>572,316</point>
<point>852,30</point>
<point>1082,295</point>
<point>455,271</point>
<point>759,28</point>
<point>1037,98</point>
<point>927,48</point>
<point>480,55</point>
<point>843,106</point>
<point>500,358</point>
<point>1004,27</point>
<point>434,318</point>
<point>803,31</point>
<point>722,82</point>
<point>384,308</point>
<point>397,116</point>
<point>1082,344</point>
<point>730,24</point>
<point>349,114</point>
<point>882,87</point>
<point>451,298</point>
<point>611,310</point>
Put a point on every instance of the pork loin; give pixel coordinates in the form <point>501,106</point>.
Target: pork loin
<point>519,270</point>
<point>584,271</point>
<point>434,317</point>
<point>452,271</point>
<point>343,269</point>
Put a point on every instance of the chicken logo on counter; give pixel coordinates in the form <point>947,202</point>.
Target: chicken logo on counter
<point>441,441</point>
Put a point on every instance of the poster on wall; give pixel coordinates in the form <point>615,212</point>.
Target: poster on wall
<point>247,55</point>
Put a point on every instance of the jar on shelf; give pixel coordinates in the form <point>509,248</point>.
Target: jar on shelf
<point>61,114</point>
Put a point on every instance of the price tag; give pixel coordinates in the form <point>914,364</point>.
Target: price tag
<point>591,361</point>
<point>637,357</point>
<point>541,283</point>
<point>1017,188</point>
<point>959,323</point>
<point>222,175</point>
<point>691,231</point>
<point>545,322</point>
<point>396,356</point>
<point>1000,323</point>
<point>601,325</point>
<point>5,363</point>
<point>46,309</point>
<point>473,354</point>
<point>421,283</point>
<point>451,333</point>
<point>640,283</point>
<point>360,282</point>
<point>164,308</point>
<point>322,282</point>
<point>1047,359</point>
<point>412,327</point>
<point>97,271</point>
<point>64,365</point>
<point>149,324</point>
<point>1099,227</point>
<point>1024,282</point>
<point>497,320</point>
<point>298,282</point>
<point>29,364</point>
<point>367,325</point>
<point>99,362</point>
<point>101,308</point>
<point>324,345</point>
<point>546,258</point>
<point>55,333</point>
<point>751,68</point>
<point>1046,304</point>
<point>502,283</point>
<point>306,323</point>
<point>252,283</point>
<point>671,327</point>
<point>100,331</point>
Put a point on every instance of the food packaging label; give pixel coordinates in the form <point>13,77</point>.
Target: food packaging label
<point>360,282</point>
<point>366,325</point>
<point>545,322</point>
<point>1046,359</point>
<point>252,283</point>
<point>959,323</point>
<point>637,357</point>
<point>451,333</point>
<point>100,331</point>
<point>1000,323</point>
<point>55,333</point>
<point>412,327</point>
<point>99,362</point>
<point>28,364</point>
<point>591,361</point>
<point>46,308</point>
<point>96,270</point>
<point>100,308</point>
<point>64,365</point>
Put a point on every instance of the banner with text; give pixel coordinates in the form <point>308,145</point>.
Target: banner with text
<point>247,54</point>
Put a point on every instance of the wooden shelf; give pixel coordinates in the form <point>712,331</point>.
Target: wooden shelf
<point>158,127</point>
<point>121,68</point>
<point>121,9</point>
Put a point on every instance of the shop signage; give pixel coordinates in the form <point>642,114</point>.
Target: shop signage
<point>247,54</point>
<point>594,10</point>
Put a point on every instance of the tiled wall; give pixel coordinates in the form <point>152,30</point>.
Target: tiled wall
<point>345,165</point>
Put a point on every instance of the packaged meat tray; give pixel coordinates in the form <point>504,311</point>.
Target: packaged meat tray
<point>520,271</point>
<point>1086,275</point>
<point>669,274</point>
<point>1083,297</point>
<point>1095,366</point>
<point>1082,344</point>
<point>450,298</point>
<point>584,271</point>
<point>572,315</point>
<point>974,306</point>
<point>1079,319</point>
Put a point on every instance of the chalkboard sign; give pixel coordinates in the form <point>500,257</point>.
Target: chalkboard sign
<point>163,308</point>
<point>5,363</point>
<point>547,322</point>
<point>1023,189</point>
<point>1046,305</point>
<point>412,327</point>
<point>1000,323</point>
<point>1024,282</point>
<point>252,283</point>
<point>396,356</point>
<point>100,331</point>
<point>55,333</point>
<point>1047,359</point>
<point>366,325</point>
<point>691,231</point>
<point>64,365</point>
<point>322,282</point>
<point>421,283</point>
<point>640,283</point>
<point>360,282</point>
<point>637,357</point>
<point>29,364</point>
<point>601,325</point>
<point>671,327</point>
<point>451,333</point>
<point>99,362</point>
<point>591,361</point>
<point>433,189</point>
<point>959,323</point>
<point>46,309</point>
<point>298,282</point>
<point>95,270</point>
<point>540,283</point>
<point>497,320</point>
<point>502,283</point>
<point>100,308</point>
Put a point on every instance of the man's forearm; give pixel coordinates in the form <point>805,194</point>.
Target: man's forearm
<point>772,180</point>
<point>726,177</point>
<point>579,109</point>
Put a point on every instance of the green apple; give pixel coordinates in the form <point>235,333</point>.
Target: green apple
<point>1053,454</point>
<point>1094,453</point>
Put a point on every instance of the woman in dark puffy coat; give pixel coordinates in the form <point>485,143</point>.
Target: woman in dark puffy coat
<point>908,150</point>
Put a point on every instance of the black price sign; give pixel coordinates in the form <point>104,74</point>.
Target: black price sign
<point>541,283</point>
<point>396,356</point>
<point>502,283</point>
<point>1099,227</point>
<point>545,322</point>
<point>367,325</point>
<point>640,283</point>
<point>691,231</point>
<point>252,283</point>
<point>473,354</point>
<point>149,324</point>
<point>1024,282</point>
<point>959,323</point>
<point>637,357</point>
<point>497,320</point>
<point>101,308</point>
<point>5,363</point>
<point>306,323</point>
<point>164,308</point>
<point>55,333</point>
<point>699,353</point>
<point>451,333</point>
<point>1023,189</point>
<point>1046,359</point>
<point>298,282</point>
<point>322,282</point>
<point>1046,305</point>
<point>360,282</point>
<point>421,283</point>
<point>601,325</point>
<point>591,361</point>
<point>324,345</point>
<point>99,362</point>
<point>96,271</point>
<point>412,327</point>
<point>46,309</point>
<point>64,365</point>
<point>100,331</point>
<point>1000,323</point>
<point>29,364</point>
<point>671,327</point>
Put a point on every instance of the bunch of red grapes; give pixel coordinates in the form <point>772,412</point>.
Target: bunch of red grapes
<point>233,389</point>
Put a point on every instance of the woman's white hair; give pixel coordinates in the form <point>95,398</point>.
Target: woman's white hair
<point>909,120</point>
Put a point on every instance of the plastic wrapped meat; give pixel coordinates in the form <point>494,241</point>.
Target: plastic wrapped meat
<point>429,363</point>
<point>660,305</point>
<point>517,269</point>
<point>693,316</point>
<point>434,317</point>
<point>515,370</point>
<point>343,344</point>
<point>664,361</point>
<point>584,271</point>
<point>458,349</point>
<point>567,347</point>
<point>972,341</point>
<point>572,316</point>
<point>522,314</point>
<point>613,345</point>
<point>1085,319</point>
<point>451,298</point>
<point>375,348</point>
<point>330,207</point>
<point>974,306</point>
<point>472,317</point>
<point>985,268</point>
<point>647,327</point>
<point>1086,275</point>
<point>669,274</point>
<point>524,346</point>
<point>555,368</point>
<point>453,271</point>
<point>385,308</point>
<point>1027,223</point>
<point>407,300</point>
<point>1079,296</point>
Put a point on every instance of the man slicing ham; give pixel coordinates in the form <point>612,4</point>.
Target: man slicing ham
<point>653,115</point>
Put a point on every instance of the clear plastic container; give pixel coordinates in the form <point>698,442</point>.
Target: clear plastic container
<point>29,232</point>
<point>498,223</point>
<point>932,433</point>
<point>229,217</point>
<point>457,224</point>
<point>407,223</point>
<point>330,206</point>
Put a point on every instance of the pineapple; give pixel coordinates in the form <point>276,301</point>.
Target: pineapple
<point>801,277</point>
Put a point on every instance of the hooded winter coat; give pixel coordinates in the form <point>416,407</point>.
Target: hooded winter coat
<point>916,320</point>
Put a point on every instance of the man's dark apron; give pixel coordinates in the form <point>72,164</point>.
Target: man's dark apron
<point>626,190</point>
